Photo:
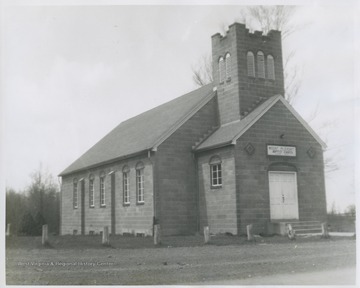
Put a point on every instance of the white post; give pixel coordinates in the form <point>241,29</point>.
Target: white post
<point>157,238</point>
<point>105,236</point>
<point>249,232</point>
<point>324,230</point>
<point>291,232</point>
<point>8,229</point>
<point>206,234</point>
<point>44,238</point>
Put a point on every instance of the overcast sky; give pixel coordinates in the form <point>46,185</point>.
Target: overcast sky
<point>70,74</point>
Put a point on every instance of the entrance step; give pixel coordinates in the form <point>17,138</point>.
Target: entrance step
<point>300,227</point>
<point>306,227</point>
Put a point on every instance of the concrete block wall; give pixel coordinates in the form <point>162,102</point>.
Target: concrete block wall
<point>227,90</point>
<point>132,218</point>
<point>218,206</point>
<point>70,217</point>
<point>176,173</point>
<point>238,94</point>
<point>251,88</point>
<point>252,170</point>
<point>135,218</point>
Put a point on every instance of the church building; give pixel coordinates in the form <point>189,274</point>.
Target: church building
<point>229,154</point>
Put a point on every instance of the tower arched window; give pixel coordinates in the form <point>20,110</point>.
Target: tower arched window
<point>227,66</point>
<point>270,67</point>
<point>260,65</point>
<point>250,64</point>
<point>221,69</point>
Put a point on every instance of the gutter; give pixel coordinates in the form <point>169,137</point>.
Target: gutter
<point>104,162</point>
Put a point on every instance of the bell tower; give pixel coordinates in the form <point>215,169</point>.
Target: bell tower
<point>247,70</point>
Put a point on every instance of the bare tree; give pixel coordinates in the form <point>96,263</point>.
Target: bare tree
<point>38,204</point>
<point>202,73</point>
<point>270,18</point>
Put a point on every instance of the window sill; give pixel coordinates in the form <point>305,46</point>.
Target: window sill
<point>140,203</point>
<point>127,204</point>
<point>216,187</point>
<point>92,206</point>
<point>102,206</point>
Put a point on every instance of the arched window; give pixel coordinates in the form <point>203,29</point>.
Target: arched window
<point>91,191</point>
<point>228,66</point>
<point>221,69</point>
<point>215,171</point>
<point>139,183</point>
<point>126,185</point>
<point>75,193</point>
<point>270,67</point>
<point>250,64</point>
<point>260,65</point>
<point>102,189</point>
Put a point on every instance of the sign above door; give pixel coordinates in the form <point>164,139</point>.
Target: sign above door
<point>277,150</point>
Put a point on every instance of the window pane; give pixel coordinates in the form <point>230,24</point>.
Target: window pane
<point>216,175</point>
<point>221,69</point>
<point>250,64</point>
<point>140,185</point>
<point>228,65</point>
<point>126,188</point>
<point>75,196</point>
<point>260,65</point>
<point>102,192</point>
<point>270,67</point>
<point>91,192</point>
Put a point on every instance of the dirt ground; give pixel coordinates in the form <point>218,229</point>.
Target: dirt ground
<point>180,260</point>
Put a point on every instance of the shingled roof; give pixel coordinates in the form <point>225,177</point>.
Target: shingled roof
<point>228,134</point>
<point>143,132</point>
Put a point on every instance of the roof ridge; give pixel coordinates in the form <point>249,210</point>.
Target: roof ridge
<point>263,107</point>
<point>166,103</point>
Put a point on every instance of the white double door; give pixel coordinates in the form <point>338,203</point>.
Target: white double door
<point>283,195</point>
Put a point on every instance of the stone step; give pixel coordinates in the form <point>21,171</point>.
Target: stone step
<point>306,227</point>
<point>307,231</point>
<point>300,227</point>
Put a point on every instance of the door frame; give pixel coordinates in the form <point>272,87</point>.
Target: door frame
<point>296,192</point>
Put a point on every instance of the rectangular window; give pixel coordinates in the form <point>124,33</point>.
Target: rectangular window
<point>216,177</point>
<point>126,188</point>
<point>140,185</point>
<point>102,191</point>
<point>91,193</point>
<point>75,196</point>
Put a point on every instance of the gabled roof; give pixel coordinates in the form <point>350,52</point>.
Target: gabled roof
<point>143,132</point>
<point>229,133</point>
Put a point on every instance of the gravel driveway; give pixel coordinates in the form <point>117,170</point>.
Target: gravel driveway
<point>179,265</point>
